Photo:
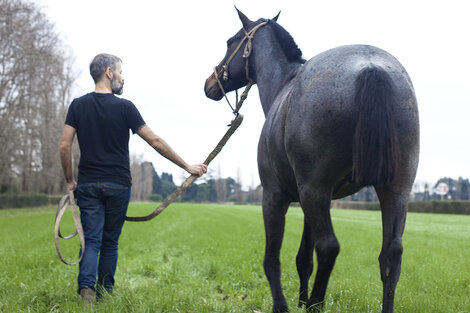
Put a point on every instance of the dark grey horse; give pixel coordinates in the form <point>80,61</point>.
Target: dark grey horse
<point>345,119</point>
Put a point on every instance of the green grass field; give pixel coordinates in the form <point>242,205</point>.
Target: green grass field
<point>208,258</point>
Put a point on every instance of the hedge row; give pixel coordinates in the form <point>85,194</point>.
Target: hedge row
<point>435,206</point>
<point>31,200</point>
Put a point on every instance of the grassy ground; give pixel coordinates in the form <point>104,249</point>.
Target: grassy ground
<point>208,258</point>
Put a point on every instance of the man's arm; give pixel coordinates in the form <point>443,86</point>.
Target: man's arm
<point>66,155</point>
<point>165,150</point>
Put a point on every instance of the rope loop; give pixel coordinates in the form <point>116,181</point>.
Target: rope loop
<point>67,200</point>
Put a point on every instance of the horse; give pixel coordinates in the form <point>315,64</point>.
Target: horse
<point>345,119</point>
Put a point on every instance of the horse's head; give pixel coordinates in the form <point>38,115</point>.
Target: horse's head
<point>233,71</point>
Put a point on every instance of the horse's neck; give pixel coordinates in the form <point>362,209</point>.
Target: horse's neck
<point>272,69</point>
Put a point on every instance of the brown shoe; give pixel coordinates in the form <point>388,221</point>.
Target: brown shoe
<point>88,295</point>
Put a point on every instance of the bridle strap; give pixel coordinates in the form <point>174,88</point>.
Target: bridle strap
<point>216,75</point>
<point>246,54</point>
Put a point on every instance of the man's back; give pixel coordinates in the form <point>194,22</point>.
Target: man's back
<point>102,122</point>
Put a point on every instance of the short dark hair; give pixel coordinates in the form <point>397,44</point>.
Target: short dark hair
<point>100,63</point>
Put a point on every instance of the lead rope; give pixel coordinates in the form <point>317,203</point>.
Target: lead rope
<point>63,204</point>
<point>233,127</point>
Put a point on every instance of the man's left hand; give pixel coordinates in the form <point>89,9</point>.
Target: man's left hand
<point>72,186</point>
<point>197,169</point>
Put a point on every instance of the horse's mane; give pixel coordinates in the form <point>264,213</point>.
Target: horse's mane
<point>288,45</point>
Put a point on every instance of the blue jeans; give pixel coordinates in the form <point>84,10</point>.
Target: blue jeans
<point>103,208</point>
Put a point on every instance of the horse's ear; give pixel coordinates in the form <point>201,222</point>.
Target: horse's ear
<point>247,23</point>
<point>276,17</point>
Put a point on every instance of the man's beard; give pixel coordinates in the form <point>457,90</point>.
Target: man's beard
<point>116,87</point>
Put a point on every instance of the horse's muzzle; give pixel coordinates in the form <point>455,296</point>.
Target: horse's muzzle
<point>211,88</point>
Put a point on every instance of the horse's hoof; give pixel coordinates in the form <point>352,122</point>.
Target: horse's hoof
<point>281,309</point>
<point>315,308</point>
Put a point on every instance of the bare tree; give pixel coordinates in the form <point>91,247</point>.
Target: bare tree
<point>239,196</point>
<point>35,88</point>
<point>142,178</point>
<point>136,172</point>
<point>220,185</point>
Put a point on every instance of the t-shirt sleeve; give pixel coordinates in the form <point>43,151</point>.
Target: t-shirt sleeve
<point>71,119</point>
<point>134,119</point>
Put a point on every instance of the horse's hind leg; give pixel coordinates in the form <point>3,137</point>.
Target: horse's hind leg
<point>393,206</point>
<point>274,211</point>
<point>315,201</point>
<point>304,262</point>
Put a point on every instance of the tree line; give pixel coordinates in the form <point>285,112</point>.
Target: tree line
<point>36,80</point>
<point>148,185</point>
<point>459,189</point>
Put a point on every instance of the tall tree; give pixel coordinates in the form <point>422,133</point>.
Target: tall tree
<point>35,88</point>
<point>143,178</point>
<point>464,188</point>
<point>220,186</point>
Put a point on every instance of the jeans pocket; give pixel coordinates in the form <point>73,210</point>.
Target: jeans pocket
<point>117,195</point>
<point>87,195</point>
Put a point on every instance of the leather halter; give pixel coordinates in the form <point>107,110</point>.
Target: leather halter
<point>246,54</point>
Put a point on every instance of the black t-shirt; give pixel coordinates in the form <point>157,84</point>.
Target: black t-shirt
<point>102,122</point>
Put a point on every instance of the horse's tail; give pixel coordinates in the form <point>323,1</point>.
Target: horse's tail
<point>375,145</point>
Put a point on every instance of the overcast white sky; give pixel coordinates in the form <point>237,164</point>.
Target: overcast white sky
<point>170,47</point>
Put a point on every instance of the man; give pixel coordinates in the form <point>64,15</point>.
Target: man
<point>102,122</point>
